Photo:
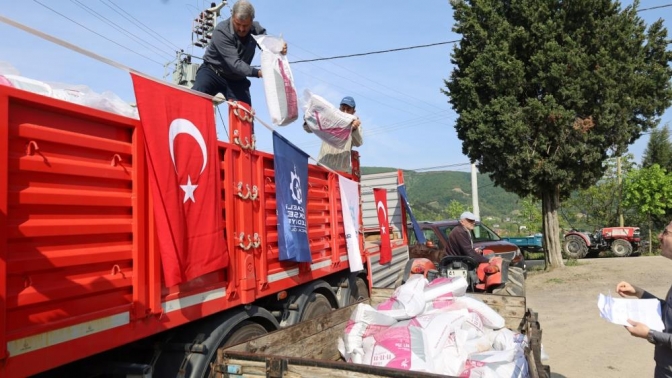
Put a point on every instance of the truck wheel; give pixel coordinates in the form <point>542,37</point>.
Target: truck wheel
<point>361,291</point>
<point>621,248</point>
<point>317,305</point>
<point>514,285</point>
<point>247,330</point>
<point>575,247</point>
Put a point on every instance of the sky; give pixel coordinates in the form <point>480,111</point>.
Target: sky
<point>407,121</point>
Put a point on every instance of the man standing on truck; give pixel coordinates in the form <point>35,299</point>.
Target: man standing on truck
<point>339,158</point>
<point>662,340</point>
<point>226,62</point>
<point>460,242</point>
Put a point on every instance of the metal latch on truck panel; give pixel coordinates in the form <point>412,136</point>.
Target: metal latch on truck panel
<point>252,242</point>
<point>252,194</point>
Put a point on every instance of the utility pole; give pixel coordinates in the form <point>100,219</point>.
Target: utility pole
<point>474,191</point>
<point>201,35</point>
<point>621,221</point>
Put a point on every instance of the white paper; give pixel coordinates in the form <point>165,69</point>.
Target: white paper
<point>350,205</point>
<point>619,310</point>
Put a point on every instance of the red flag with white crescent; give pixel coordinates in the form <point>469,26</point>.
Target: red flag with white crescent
<point>380,196</point>
<point>181,151</point>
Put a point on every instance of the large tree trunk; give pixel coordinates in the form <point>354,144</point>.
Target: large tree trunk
<point>550,202</point>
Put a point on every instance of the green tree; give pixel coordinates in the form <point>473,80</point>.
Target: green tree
<point>599,203</point>
<point>650,191</point>
<point>455,208</point>
<point>530,214</point>
<point>659,149</point>
<point>546,90</point>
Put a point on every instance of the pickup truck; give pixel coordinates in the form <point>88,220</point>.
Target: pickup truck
<point>309,349</point>
<point>533,243</point>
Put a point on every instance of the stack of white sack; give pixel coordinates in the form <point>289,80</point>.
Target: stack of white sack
<point>435,327</point>
<point>78,94</point>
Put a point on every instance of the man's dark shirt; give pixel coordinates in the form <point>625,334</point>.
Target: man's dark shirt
<point>460,244</point>
<point>663,351</point>
<point>230,54</point>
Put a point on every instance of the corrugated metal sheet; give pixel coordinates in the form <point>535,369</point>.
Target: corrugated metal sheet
<point>384,276</point>
<point>388,274</point>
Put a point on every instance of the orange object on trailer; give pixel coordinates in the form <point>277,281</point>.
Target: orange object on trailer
<point>80,273</point>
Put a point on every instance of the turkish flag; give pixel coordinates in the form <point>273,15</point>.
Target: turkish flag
<point>380,196</point>
<point>181,151</point>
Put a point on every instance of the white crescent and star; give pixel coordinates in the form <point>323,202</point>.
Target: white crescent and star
<point>183,126</point>
<point>379,206</point>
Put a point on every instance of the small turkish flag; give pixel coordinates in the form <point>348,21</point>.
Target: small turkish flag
<point>380,196</point>
<point>181,150</point>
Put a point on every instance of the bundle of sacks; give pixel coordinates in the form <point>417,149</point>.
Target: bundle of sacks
<point>436,328</point>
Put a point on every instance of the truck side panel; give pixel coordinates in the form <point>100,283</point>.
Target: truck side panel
<point>79,271</point>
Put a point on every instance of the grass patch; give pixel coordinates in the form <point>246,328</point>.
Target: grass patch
<point>555,280</point>
<point>534,255</point>
<point>536,268</point>
<point>572,262</point>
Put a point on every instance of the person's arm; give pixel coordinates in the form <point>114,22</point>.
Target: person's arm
<point>662,339</point>
<point>226,48</point>
<point>306,127</point>
<point>357,134</point>
<point>464,243</point>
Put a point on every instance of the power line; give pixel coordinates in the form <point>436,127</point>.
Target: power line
<point>98,34</point>
<point>375,52</point>
<point>119,28</point>
<point>147,28</point>
<point>656,7</point>
<point>405,96</point>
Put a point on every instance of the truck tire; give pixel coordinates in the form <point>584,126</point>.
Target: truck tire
<point>514,285</point>
<point>575,247</point>
<point>361,291</point>
<point>245,331</point>
<point>317,305</point>
<point>621,248</point>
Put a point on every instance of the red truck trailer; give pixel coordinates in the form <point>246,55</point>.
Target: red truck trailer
<point>81,290</point>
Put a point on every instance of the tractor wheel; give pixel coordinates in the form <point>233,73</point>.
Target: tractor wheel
<point>575,247</point>
<point>514,285</point>
<point>621,248</point>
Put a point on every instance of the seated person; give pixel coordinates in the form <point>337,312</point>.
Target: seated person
<point>460,242</point>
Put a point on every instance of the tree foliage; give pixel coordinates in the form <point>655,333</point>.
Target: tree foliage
<point>454,209</point>
<point>659,149</point>
<point>546,90</point>
<point>599,203</point>
<point>649,190</point>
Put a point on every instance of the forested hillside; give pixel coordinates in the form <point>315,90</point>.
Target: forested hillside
<point>431,192</point>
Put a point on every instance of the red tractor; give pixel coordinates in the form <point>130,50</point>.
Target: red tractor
<point>622,241</point>
<point>495,276</point>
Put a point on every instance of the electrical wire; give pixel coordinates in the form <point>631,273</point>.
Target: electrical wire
<point>655,7</point>
<point>405,96</point>
<point>375,52</point>
<point>98,34</point>
<point>223,123</point>
<point>151,32</point>
<point>121,29</point>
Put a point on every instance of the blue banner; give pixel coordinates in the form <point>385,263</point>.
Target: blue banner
<point>291,192</point>
<point>416,227</point>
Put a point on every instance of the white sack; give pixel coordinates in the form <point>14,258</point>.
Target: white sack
<point>327,122</point>
<point>281,97</point>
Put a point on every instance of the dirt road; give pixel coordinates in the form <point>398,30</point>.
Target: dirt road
<point>581,344</point>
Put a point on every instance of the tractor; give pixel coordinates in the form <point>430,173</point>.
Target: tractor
<point>495,276</point>
<point>622,241</point>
